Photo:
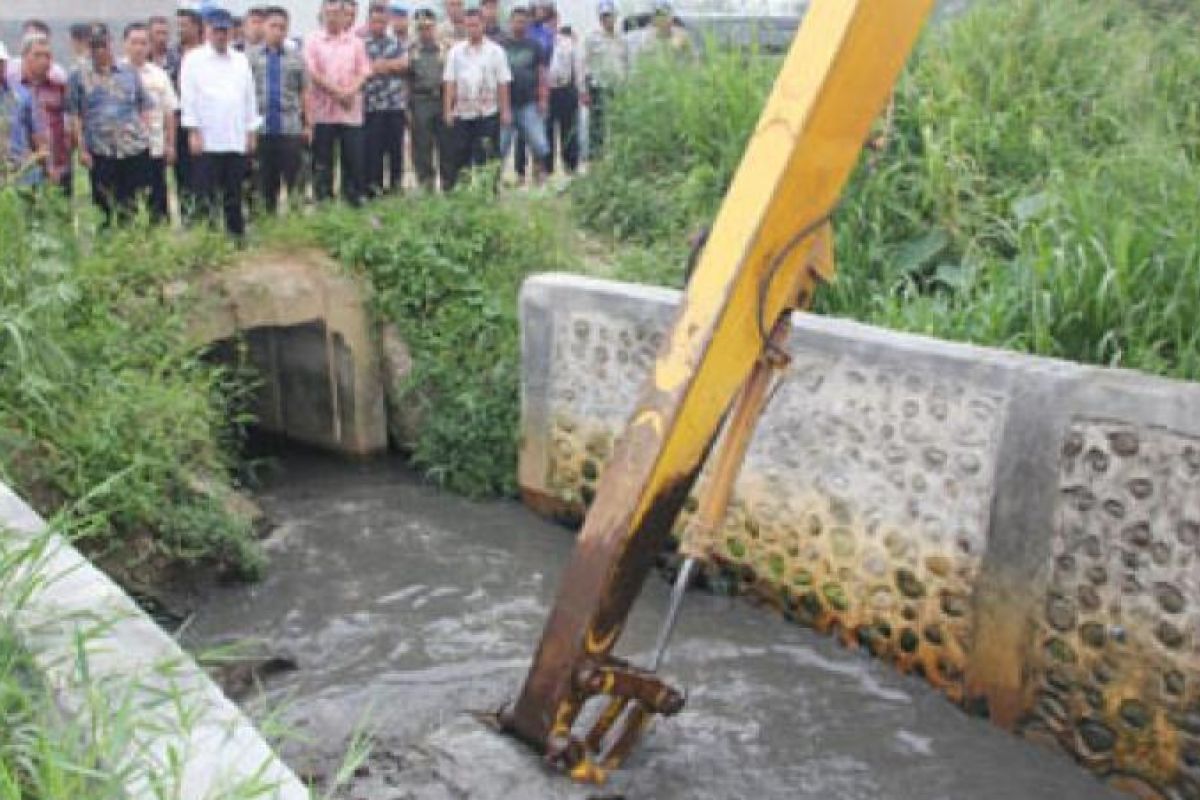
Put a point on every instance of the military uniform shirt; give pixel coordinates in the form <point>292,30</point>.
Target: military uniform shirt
<point>427,67</point>
<point>606,59</point>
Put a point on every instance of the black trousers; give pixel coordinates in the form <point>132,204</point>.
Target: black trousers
<point>280,160</point>
<point>219,180</point>
<point>476,142</point>
<point>348,141</point>
<point>185,179</point>
<point>66,183</point>
<point>118,182</point>
<point>520,157</point>
<point>564,120</point>
<point>384,131</point>
<point>160,210</point>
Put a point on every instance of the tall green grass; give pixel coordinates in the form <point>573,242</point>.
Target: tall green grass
<point>1040,190</point>
<point>103,402</point>
<point>678,133</point>
<point>66,733</point>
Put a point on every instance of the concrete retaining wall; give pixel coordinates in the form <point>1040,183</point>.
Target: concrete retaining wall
<point>188,740</point>
<point>1024,533</point>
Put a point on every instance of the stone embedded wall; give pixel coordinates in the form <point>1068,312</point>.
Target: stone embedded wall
<point>1021,532</point>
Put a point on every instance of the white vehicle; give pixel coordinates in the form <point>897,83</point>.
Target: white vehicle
<point>769,24</point>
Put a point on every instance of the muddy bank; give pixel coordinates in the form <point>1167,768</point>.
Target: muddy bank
<point>405,608</point>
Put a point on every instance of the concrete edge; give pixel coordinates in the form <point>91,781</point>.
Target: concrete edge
<point>543,290</point>
<point>187,733</point>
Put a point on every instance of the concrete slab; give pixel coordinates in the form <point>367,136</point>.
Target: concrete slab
<point>1023,533</point>
<point>188,740</point>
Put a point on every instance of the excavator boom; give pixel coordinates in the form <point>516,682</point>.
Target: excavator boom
<point>769,250</point>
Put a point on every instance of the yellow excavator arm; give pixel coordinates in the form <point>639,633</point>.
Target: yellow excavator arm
<point>769,250</point>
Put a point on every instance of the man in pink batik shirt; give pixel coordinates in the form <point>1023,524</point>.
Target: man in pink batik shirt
<point>338,67</point>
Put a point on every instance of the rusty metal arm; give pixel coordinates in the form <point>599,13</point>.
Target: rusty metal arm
<point>759,264</point>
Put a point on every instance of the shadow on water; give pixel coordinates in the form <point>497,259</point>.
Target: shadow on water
<point>408,607</point>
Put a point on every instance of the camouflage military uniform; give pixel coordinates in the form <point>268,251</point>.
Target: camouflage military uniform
<point>426,70</point>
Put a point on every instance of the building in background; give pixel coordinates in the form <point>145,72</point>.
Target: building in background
<point>727,19</point>
<point>59,14</point>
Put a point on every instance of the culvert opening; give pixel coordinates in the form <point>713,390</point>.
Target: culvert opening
<point>303,387</point>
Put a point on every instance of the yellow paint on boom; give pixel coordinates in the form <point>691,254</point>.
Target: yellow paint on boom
<point>836,80</point>
<point>771,244</point>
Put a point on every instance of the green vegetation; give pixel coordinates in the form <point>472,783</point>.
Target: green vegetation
<point>96,750</point>
<point>447,271</point>
<point>1040,191</point>
<point>104,406</point>
<point>37,761</point>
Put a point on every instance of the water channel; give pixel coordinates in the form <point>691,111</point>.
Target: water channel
<point>404,608</point>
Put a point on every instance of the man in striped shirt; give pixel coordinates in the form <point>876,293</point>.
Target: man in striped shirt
<point>281,81</point>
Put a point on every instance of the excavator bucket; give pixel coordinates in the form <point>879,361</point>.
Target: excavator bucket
<point>759,264</point>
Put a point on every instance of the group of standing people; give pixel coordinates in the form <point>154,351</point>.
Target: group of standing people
<point>241,112</point>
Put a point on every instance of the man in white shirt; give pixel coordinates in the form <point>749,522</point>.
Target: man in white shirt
<point>220,111</point>
<point>476,101</point>
<point>161,123</point>
<point>606,64</point>
<point>568,89</point>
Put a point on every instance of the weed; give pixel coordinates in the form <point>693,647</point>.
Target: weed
<point>102,399</point>
<point>67,731</point>
<point>1040,191</point>
<point>447,270</point>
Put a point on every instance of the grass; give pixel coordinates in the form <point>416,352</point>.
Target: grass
<point>103,401</point>
<point>447,270</point>
<point>1040,191</point>
<point>80,736</point>
<point>68,732</point>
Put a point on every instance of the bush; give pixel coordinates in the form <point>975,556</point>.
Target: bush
<point>1039,191</point>
<point>447,270</point>
<point>104,407</point>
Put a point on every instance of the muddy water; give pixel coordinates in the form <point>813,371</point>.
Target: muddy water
<point>405,607</point>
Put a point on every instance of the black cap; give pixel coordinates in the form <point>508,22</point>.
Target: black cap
<point>98,34</point>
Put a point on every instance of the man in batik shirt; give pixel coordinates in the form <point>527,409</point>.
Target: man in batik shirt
<point>385,105</point>
<point>110,110</point>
